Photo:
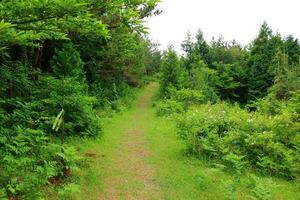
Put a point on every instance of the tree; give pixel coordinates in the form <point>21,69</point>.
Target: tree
<point>170,71</point>
<point>291,47</point>
<point>188,46</point>
<point>260,66</point>
<point>202,48</point>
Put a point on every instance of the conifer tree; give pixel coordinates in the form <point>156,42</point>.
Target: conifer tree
<point>202,48</point>
<point>259,66</point>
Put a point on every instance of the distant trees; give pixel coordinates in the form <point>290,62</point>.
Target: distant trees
<point>236,73</point>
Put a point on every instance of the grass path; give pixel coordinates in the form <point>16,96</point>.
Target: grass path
<point>128,175</point>
<point>139,158</point>
<point>120,159</point>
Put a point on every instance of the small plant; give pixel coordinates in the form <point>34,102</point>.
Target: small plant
<point>69,191</point>
<point>168,107</point>
<point>260,189</point>
<point>230,188</point>
<point>201,181</point>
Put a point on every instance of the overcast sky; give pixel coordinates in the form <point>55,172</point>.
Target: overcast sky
<point>234,19</point>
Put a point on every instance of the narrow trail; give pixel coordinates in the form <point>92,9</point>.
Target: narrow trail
<point>128,175</point>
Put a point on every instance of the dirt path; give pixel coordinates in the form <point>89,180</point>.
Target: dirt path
<point>128,175</point>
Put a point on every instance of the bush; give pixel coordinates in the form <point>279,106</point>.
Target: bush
<point>28,160</point>
<point>204,79</point>
<point>188,97</point>
<point>178,101</point>
<point>168,107</point>
<point>54,94</point>
<point>112,96</point>
<point>30,154</point>
<point>238,139</point>
<point>67,90</point>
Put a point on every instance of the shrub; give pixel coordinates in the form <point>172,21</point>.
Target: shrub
<point>67,90</point>
<point>168,107</point>
<point>188,97</point>
<point>179,101</point>
<point>30,155</point>
<point>28,160</point>
<point>56,94</point>
<point>237,139</point>
<point>172,74</point>
<point>112,96</point>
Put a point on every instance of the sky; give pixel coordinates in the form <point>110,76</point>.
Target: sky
<point>233,19</point>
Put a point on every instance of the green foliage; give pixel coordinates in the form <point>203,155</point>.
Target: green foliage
<point>168,107</point>
<point>188,97</point>
<point>188,45</point>
<point>263,77</point>
<point>204,80</point>
<point>228,81</point>
<point>202,48</point>
<point>238,139</point>
<point>69,191</point>
<point>66,62</point>
<point>260,190</point>
<point>178,101</point>
<point>35,21</point>
<point>191,85</point>
<point>292,48</point>
<point>260,67</point>
<point>283,94</point>
<point>67,91</point>
<point>286,84</point>
<point>79,119</point>
<point>62,59</point>
<point>239,74</point>
<point>54,56</point>
<point>170,71</point>
<point>14,80</point>
<point>225,52</point>
<point>112,97</point>
<point>28,160</point>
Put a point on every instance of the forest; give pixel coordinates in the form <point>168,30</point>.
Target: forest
<point>91,108</point>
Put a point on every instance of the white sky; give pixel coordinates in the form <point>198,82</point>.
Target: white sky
<point>234,19</point>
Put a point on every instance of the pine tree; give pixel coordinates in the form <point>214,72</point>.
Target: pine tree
<point>170,71</point>
<point>202,48</point>
<point>292,49</point>
<point>260,67</point>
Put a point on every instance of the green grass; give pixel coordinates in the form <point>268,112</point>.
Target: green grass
<point>178,176</point>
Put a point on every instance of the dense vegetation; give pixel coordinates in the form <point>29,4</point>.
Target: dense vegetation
<point>62,62</point>
<point>239,106</point>
<point>67,65</point>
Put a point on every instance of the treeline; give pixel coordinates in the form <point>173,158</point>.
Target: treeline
<point>236,73</point>
<point>239,106</point>
<point>61,61</point>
